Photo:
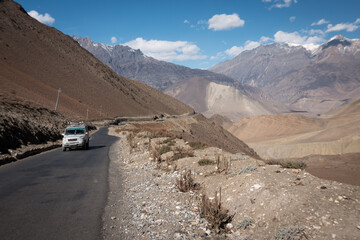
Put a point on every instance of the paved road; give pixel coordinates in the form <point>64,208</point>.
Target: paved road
<point>56,195</point>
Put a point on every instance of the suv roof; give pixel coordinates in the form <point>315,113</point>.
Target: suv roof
<point>76,125</point>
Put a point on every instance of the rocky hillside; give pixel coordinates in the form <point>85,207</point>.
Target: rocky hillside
<point>264,201</point>
<point>22,123</point>
<point>37,60</point>
<point>313,82</point>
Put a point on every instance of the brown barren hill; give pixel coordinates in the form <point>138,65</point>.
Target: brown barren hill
<point>265,127</point>
<point>329,145</point>
<point>37,60</point>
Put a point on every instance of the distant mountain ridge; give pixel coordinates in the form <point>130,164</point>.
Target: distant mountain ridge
<point>314,82</point>
<point>191,86</point>
<point>135,65</point>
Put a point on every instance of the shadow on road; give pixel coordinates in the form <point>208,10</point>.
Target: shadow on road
<point>96,147</point>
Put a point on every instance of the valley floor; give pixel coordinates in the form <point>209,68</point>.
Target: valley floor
<point>265,201</point>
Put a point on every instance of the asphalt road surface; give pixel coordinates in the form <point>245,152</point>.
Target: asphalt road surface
<point>56,195</point>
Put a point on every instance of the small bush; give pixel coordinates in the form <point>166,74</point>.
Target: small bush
<point>205,162</point>
<point>291,233</point>
<point>273,162</point>
<point>214,213</point>
<point>288,164</point>
<point>247,222</point>
<point>169,142</point>
<point>181,152</point>
<point>197,145</point>
<point>186,183</point>
<point>294,164</point>
<point>165,149</point>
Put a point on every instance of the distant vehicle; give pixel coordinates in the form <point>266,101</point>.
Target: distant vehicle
<point>76,135</point>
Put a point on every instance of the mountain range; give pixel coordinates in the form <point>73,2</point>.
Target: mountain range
<point>314,82</point>
<point>207,92</point>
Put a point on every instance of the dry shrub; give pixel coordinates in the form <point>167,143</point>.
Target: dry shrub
<point>214,213</point>
<point>247,222</point>
<point>222,163</point>
<point>181,152</point>
<point>149,145</point>
<point>155,153</point>
<point>131,140</point>
<point>295,164</point>
<point>205,162</point>
<point>169,141</point>
<point>197,145</point>
<point>291,233</point>
<point>165,149</point>
<point>248,169</point>
<point>186,183</point>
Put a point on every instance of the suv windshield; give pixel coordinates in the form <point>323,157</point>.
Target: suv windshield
<point>74,131</point>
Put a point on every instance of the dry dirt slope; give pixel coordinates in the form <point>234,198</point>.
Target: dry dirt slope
<point>332,141</point>
<point>37,60</point>
<point>290,136</point>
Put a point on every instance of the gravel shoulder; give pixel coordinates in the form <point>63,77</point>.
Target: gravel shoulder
<point>144,202</point>
<point>266,201</point>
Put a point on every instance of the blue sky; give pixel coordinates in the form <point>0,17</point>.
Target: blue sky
<point>200,33</point>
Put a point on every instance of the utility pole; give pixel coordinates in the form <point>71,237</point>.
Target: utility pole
<point>87,113</point>
<point>57,99</point>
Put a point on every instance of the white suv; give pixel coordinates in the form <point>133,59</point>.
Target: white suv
<point>76,135</point>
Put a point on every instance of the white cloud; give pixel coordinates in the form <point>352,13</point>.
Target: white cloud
<point>113,40</point>
<point>316,32</point>
<point>320,22</point>
<point>349,27</point>
<point>264,39</point>
<point>279,3</point>
<point>220,22</point>
<point>292,18</point>
<point>235,50</point>
<point>285,37</point>
<point>167,50</point>
<point>45,19</point>
<point>186,21</point>
<point>295,39</point>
